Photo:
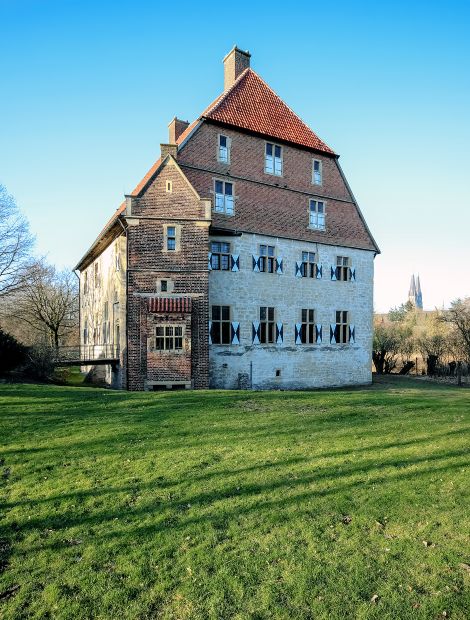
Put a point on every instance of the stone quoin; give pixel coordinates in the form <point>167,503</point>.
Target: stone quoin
<point>241,260</point>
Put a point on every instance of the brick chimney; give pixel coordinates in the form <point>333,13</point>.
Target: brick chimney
<point>235,63</point>
<point>168,149</point>
<point>175,129</point>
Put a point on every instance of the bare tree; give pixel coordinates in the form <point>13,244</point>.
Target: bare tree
<point>458,316</point>
<point>15,244</point>
<point>48,303</point>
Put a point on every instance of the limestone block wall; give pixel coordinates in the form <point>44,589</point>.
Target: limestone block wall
<point>297,365</point>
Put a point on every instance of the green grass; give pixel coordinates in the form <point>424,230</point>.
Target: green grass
<point>224,505</point>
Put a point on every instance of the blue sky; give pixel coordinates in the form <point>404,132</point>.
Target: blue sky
<point>88,88</point>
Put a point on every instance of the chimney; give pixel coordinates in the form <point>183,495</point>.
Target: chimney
<point>235,63</point>
<point>168,149</point>
<point>175,129</point>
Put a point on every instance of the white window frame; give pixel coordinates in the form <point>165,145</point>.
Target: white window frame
<point>221,150</point>
<point>169,187</point>
<point>267,329</point>
<point>343,268</point>
<point>317,180</point>
<point>221,321</point>
<point>224,203</point>
<point>308,326</point>
<point>342,327</point>
<point>273,165</point>
<point>315,219</point>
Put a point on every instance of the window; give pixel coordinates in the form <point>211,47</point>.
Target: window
<point>342,268</point>
<point>317,214</point>
<point>273,159</point>
<point>221,326</point>
<point>223,150</point>
<point>267,325</point>
<point>85,332</point>
<point>342,327</point>
<point>117,259</point>
<point>105,326</point>
<point>267,259</point>
<point>317,172</point>
<point>168,338</point>
<point>307,331</point>
<point>224,197</point>
<point>169,187</point>
<point>171,238</point>
<point>97,275</point>
<point>164,286</point>
<point>85,282</point>
<point>309,265</point>
<point>220,259</point>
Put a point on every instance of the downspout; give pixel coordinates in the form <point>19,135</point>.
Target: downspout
<point>127,303</point>
<point>79,314</point>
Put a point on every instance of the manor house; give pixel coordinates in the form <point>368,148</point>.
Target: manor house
<point>241,260</point>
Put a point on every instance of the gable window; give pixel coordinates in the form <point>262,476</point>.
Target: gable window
<point>224,197</point>
<point>309,265</point>
<point>169,187</point>
<point>171,238</point>
<point>317,172</point>
<point>342,268</point>
<point>267,259</point>
<point>307,331</point>
<point>223,150</point>
<point>317,214</point>
<point>221,325</point>
<point>167,338</point>
<point>267,333</point>
<point>273,159</point>
<point>220,259</point>
<point>342,327</point>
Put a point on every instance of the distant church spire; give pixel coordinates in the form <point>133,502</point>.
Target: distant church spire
<point>415,296</point>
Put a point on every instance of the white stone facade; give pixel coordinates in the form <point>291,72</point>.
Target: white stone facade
<point>297,365</point>
<point>103,330</point>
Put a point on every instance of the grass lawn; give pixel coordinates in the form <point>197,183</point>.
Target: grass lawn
<point>332,504</point>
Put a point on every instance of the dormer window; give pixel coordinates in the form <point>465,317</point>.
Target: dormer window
<point>224,198</point>
<point>273,159</point>
<point>223,151</point>
<point>317,172</point>
<point>317,214</point>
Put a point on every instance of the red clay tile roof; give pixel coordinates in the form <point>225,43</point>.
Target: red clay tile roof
<point>251,104</point>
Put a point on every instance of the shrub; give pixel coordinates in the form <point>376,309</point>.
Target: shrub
<point>12,353</point>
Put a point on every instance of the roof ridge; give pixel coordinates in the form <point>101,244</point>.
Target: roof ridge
<point>215,104</point>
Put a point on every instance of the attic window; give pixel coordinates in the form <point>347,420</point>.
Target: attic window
<point>169,187</point>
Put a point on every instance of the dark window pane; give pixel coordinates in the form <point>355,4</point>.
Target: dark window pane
<point>310,315</point>
<point>262,313</point>
<point>277,151</point>
<point>178,343</point>
<point>225,262</point>
<point>216,333</point>
<point>219,187</point>
<point>305,256</point>
<point>225,313</point>
<point>225,247</point>
<point>269,149</point>
<point>304,316</point>
<point>223,140</point>
<point>215,246</point>
<point>164,286</point>
<point>216,313</point>
<point>228,189</point>
<point>263,332</point>
<point>270,250</point>
<point>226,333</point>
<point>171,231</point>
<point>270,314</point>
<point>262,250</point>
<point>171,244</point>
<point>270,332</point>
<point>215,261</point>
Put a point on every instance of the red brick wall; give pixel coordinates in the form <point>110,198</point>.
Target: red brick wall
<point>278,205</point>
<point>187,268</point>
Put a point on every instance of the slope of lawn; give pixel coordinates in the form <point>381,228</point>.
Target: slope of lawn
<point>330,504</point>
